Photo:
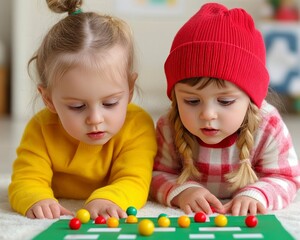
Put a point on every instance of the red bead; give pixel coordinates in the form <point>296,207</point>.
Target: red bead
<point>74,223</point>
<point>100,220</point>
<point>200,217</point>
<point>251,221</point>
<point>213,209</point>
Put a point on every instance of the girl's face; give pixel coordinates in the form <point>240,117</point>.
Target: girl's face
<point>91,105</point>
<point>212,113</point>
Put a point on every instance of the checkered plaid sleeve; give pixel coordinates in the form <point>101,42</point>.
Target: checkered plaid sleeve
<point>167,166</point>
<point>275,162</point>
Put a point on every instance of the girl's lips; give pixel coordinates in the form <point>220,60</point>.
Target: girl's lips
<point>209,131</point>
<point>96,135</point>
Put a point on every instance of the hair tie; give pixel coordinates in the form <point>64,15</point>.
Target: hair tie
<point>76,12</point>
<point>246,160</point>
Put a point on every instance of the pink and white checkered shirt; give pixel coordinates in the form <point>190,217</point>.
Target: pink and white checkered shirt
<point>273,158</point>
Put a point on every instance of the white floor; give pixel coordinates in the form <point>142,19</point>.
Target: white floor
<point>11,132</point>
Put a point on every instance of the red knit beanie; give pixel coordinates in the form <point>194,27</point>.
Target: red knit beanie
<point>220,43</point>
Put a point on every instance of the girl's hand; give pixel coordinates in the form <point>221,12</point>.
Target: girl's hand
<point>104,208</point>
<point>243,205</point>
<point>48,208</point>
<point>196,199</point>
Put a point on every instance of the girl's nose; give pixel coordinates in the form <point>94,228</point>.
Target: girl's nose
<point>207,112</point>
<point>95,117</point>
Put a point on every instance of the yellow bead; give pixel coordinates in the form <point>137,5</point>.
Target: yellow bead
<point>164,222</point>
<point>83,215</point>
<point>184,221</point>
<point>131,219</point>
<point>112,222</point>
<point>221,220</point>
<point>146,227</point>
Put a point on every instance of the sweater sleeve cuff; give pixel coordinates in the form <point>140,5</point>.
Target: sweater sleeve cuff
<point>256,195</point>
<point>178,190</point>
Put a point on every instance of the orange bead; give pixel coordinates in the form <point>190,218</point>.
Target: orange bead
<point>131,219</point>
<point>112,222</point>
<point>184,221</point>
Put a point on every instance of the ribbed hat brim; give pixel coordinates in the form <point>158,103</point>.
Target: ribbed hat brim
<point>218,60</point>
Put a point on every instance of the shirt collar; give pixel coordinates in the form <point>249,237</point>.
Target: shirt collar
<point>227,142</point>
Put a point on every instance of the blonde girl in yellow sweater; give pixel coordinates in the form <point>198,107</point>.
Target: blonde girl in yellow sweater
<point>89,142</point>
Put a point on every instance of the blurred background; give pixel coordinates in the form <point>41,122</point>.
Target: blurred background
<point>154,22</point>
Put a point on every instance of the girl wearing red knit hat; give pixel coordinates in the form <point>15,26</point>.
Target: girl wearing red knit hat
<point>221,139</point>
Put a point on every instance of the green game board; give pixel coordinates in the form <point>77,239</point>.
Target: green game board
<point>268,228</point>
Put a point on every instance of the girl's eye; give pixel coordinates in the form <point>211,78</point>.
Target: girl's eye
<point>226,102</point>
<point>77,107</point>
<point>191,101</point>
<point>110,104</point>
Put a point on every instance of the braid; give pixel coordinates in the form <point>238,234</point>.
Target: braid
<point>245,174</point>
<point>184,141</point>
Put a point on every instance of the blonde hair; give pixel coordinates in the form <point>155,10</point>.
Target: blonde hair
<point>185,141</point>
<point>77,39</point>
<point>245,174</point>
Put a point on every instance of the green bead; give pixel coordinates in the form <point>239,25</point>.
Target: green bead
<point>131,211</point>
<point>162,215</point>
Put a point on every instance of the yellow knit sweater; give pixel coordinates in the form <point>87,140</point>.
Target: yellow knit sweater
<point>52,164</point>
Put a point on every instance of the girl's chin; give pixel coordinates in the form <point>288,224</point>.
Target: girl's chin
<point>211,140</point>
<point>95,142</point>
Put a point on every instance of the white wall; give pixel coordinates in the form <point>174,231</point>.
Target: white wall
<point>153,36</point>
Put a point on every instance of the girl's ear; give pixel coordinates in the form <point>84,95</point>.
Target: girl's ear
<point>133,78</point>
<point>46,99</point>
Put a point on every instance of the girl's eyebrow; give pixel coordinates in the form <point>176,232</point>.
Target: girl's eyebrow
<point>223,91</point>
<point>228,92</point>
<point>185,91</point>
<point>108,96</point>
